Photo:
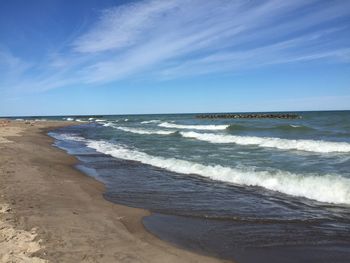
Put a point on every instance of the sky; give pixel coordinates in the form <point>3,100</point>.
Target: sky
<point>63,57</point>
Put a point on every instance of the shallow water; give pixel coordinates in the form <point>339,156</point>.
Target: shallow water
<point>272,190</point>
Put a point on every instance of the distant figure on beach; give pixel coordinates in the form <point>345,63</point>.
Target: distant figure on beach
<point>4,123</point>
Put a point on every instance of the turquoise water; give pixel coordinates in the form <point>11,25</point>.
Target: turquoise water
<point>234,188</point>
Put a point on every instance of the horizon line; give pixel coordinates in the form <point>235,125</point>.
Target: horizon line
<point>179,113</point>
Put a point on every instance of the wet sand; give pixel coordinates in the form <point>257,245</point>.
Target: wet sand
<point>49,211</point>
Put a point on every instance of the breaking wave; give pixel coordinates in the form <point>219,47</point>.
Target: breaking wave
<point>278,128</point>
<point>193,127</point>
<point>143,131</point>
<point>151,121</point>
<point>108,124</point>
<point>67,137</point>
<point>325,188</point>
<point>283,144</point>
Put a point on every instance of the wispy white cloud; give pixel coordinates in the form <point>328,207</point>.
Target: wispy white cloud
<point>283,52</point>
<point>183,35</point>
<point>123,26</point>
<point>10,63</point>
<point>12,69</point>
<point>171,39</point>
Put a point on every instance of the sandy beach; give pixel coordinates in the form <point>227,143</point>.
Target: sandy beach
<point>51,212</point>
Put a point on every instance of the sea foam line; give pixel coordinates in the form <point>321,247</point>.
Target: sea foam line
<point>193,127</point>
<point>325,188</point>
<point>143,131</point>
<point>151,121</point>
<point>67,136</point>
<point>283,144</point>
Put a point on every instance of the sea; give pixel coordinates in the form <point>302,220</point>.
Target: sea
<point>249,190</point>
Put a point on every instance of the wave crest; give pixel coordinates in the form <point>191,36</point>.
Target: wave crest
<point>151,121</point>
<point>281,128</point>
<point>326,188</point>
<point>144,131</point>
<point>270,142</point>
<point>192,127</point>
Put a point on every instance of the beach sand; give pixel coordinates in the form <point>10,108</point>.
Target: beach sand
<point>49,211</point>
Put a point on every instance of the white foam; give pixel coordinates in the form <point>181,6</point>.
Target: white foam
<point>283,144</point>
<point>99,120</point>
<point>151,121</point>
<point>108,124</point>
<point>79,120</point>
<point>192,127</point>
<point>67,137</point>
<point>325,188</point>
<point>126,119</point>
<point>143,131</point>
<point>69,119</point>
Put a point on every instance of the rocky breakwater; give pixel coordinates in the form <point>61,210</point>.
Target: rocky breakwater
<point>250,116</point>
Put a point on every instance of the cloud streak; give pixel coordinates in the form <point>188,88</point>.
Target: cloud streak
<point>122,26</point>
<point>176,38</point>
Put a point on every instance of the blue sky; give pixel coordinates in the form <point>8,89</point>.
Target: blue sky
<point>120,57</point>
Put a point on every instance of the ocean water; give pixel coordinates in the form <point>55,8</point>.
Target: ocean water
<point>253,190</point>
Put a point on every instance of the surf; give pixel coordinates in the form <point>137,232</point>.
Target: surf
<point>318,146</point>
<point>193,127</point>
<point>151,121</point>
<point>144,131</point>
<point>324,188</point>
<point>278,128</point>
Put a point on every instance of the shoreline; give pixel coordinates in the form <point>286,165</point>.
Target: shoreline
<point>64,210</point>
